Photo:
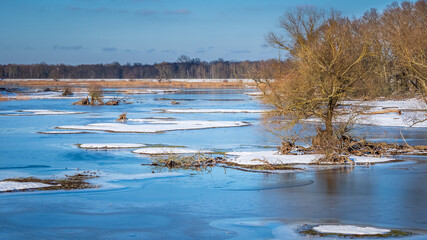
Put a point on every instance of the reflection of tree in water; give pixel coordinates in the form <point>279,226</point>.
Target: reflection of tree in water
<point>285,180</point>
<point>332,178</point>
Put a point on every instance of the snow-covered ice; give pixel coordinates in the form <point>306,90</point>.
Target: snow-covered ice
<point>192,110</point>
<point>110,145</point>
<point>350,230</point>
<point>39,112</point>
<point>11,185</point>
<point>168,150</point>
<point>273,157</point>
<point>153,126</point>
<point>64,132</point>
<point>408,104</point>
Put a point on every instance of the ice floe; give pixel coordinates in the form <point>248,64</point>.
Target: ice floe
<point>350,230</point>
<point>154,126</point>
<point>273,157</point>
<point>11,185</point>
<point>168,150</point>
<point>64,132</point>
<point>191,110</point>
<point>39,112</point>
<point>110,145</point>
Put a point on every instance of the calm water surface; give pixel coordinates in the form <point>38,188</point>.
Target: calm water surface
<point>221,204</point>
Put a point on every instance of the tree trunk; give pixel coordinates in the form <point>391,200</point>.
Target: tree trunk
<point>329,116</point>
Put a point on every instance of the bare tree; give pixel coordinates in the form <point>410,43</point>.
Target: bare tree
<point>328,56</point>
<point>404,30</point>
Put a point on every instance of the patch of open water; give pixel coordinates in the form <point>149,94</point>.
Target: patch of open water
<point>224,203</point>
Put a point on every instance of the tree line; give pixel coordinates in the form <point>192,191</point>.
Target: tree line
<point>184,68</point>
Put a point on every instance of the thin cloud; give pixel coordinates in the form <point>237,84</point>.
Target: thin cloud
<point>177,12</point>
<point>240,51</point>
<point>74,8</point>
<point>76,47</point>
<point>146,12</point>
<point>109,49</point>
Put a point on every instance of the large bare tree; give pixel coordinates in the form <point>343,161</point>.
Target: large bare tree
<point>328,56</point>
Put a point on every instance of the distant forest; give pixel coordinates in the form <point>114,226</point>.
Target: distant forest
<point>183,68</point>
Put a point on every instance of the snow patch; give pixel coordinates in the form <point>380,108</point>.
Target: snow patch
<point>409,104</point>
<point>273,157</point>
<point>110,145</point>
<point>350,229</point>
<point>64,132</point>
<point>154,126</point>
<point>168,150</point>
<point>11,185</point>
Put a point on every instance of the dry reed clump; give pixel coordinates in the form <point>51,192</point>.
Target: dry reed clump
<point>77,181</point>
<point>3,98</point>
<point>197,162</point>
<point>122,118</point>
<point>67,92</point>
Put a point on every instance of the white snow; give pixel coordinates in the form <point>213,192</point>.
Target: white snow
<point>11,185</point>
<point>168,150</point>
<point>40,112</point>
<point>64,132</point>
<point>254,93</point>
<point>153,126</point>
<point>409,104</point>
<point>350,229</point>
<point>190,110</point>
<point>111,145</point>
<point>150,91</point>
<point>273,157</point>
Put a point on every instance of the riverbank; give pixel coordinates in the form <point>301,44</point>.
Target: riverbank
<point>119,83</point>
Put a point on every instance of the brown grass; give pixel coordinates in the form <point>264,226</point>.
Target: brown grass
<point>125,83</point>
<point>3,98</point>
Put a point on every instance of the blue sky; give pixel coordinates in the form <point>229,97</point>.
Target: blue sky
<point>147,31</point>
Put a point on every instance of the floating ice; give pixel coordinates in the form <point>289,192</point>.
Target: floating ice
<point>110,145</point>
<point>64,132</point>
<point>350,229</point>
<point>168,150</point>
<point>273,157</point>
<point>153,126</point>
<point>11,185</point>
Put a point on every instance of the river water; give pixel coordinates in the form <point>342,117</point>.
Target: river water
<point>221,204</point>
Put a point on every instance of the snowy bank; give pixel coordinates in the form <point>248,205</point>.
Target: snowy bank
<point>191,110</point>
<point>350,230</point>
<point>155,126</point>
<point>11,186</point>
<point>110,145</point>
<point>273,157</point>
<point>168,150</point>
<point>408,104</point>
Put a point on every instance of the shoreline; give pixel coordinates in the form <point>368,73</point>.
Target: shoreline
<point>118,83</point>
